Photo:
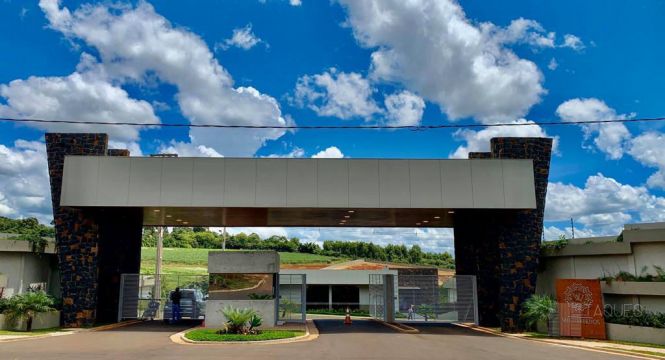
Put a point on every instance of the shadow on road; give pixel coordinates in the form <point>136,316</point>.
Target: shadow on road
<point>158,326</point>
<point>336,326</point>
<point>446,329</point>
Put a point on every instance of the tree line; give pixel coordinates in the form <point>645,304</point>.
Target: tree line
<point>28,226</point>
<point>200,237</point>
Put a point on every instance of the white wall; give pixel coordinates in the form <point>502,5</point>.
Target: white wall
<point>293,183</point>
<point>23,268</point>
<point>641,248</point>
<point>337,277</point>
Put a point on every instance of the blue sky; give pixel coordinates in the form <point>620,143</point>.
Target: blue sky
<point>345,62</point>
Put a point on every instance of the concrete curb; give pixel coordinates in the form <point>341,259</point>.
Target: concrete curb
<point>581,347</point>
<point>311,333</point>
<point>35,337</point>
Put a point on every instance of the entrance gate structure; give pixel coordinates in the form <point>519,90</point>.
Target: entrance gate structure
<point>102,198</point>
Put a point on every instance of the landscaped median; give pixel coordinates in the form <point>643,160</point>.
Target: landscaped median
<point>265,335</point>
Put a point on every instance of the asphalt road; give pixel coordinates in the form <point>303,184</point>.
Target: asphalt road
<point>362,340</point>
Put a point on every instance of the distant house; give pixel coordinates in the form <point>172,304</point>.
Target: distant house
<point>21,268</point>
<point>346,284</point>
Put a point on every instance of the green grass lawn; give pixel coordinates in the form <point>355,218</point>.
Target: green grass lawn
<point>211,335</point>
<point>195,261</point>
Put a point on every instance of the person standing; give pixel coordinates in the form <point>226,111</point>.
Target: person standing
<point>175,305</point>
<point>411,312</point>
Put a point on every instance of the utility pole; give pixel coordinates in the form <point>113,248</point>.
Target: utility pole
<point>158,263</point>
<point>572,227</point>
<point>224,240</point>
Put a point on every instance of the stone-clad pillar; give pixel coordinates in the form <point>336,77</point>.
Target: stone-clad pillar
<point>501,247</point>
<point>77,231</point>
<point>95,246</point>
<point>519,239</point>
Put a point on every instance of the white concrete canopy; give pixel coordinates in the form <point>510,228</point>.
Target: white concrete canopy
<point>297,192</point>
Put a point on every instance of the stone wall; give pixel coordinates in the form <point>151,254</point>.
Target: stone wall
<point>94,246</point>
<point>501,247</point>
<point>77,231</point>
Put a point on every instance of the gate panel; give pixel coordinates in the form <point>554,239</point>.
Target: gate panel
<point>377,300</point>
<point>428,298</point>
<point>292,298</point>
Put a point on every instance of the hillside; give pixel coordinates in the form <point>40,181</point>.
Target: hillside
<point>195,261</point>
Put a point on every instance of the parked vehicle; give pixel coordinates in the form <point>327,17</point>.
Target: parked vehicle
<point>192,305</point>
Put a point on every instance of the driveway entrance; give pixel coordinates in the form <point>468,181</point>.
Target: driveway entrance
<point>361,340</point>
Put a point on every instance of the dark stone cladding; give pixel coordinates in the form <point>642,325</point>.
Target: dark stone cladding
<point>501,247</point>
<point>94,245</point>
<point>77,231</point>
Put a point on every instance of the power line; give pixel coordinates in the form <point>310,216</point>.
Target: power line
<point>336,127</point>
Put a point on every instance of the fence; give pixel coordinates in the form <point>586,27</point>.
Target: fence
<point>292,298</point>
<point>147,296</point>
<point>428,298</point>
<point>377,296</point>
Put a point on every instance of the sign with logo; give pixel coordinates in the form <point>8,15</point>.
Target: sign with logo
<point>580,308</point>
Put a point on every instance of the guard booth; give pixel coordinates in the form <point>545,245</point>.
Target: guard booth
<point>237,279</point>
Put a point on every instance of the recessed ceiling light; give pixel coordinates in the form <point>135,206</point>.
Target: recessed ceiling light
<point>169,215</point>
<point>185,223</point>
<point>341,223</point>
<point>178,220</point>
<point>351,211</point>
<point>425,221</point>
<point>437,217</point>
<point>346,216</point>
<point>156,210</point>
<point>418,224</point>
<point>451,212</point>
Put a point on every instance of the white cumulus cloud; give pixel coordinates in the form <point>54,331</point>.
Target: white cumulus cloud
<point>573,42</point>
<point>332,152</point>
<point>603,204</point>
<point>24,183</point>
<point>335,93</point>
<point>433,49</point>
<point>610,138</point>
<point>480,140</point>
<point>138,44</point>
<point>242,38</point>
<point>404,108</point>
<point>85,95</point>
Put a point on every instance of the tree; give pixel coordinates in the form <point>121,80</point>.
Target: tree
<point>26,306</point>
<point>415,254</point>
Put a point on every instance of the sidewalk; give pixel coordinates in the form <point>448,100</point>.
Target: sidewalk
<point>601,345</point>
<point>648,352</point>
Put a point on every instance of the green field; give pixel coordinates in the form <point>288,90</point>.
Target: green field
<point>195,261</point>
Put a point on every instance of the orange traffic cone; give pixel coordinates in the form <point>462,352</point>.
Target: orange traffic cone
<point>347,319</point>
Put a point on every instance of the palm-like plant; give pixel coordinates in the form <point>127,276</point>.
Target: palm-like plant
<point>26,306</point>
<point>238,321</point>
<point>538,308</point>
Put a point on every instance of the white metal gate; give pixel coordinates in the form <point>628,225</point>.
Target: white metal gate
<point>423,298</point>
<point>292,298</point>
<point>428,298</point>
